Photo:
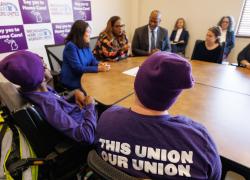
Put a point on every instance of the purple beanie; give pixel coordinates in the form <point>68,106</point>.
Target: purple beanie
<point>23,68</point>
<point>161,78</point>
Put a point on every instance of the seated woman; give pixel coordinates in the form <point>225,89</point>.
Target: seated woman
<point>77,56</point>
<point>227,34</point>
<point>76,120</point>
<point>112,43</point>
<point>244,57</point>
<point>209,50</point>
<point>179,37</point>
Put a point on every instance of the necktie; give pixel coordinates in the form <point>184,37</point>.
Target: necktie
<point>152,40</point>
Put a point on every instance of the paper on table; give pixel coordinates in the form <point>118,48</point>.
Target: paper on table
<point>131,72</point>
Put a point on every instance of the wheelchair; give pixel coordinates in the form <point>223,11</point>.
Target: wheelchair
<point>57,156</point>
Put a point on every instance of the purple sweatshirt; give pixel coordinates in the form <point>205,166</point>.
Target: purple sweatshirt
<point>78,124</point>
<point>156,147</point>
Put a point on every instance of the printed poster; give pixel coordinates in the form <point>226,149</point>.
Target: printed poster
<point>34,11</point>
<point>82,10</point>
<point>12,38</point>
<point>38,34</point>
<point>61,11</point>
<point>60,31</point>
<point>10,13</point>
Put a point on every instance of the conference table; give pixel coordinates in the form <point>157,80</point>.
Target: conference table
<point>220,100</point>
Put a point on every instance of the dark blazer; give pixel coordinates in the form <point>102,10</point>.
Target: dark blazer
<point>140,43</point>
<point>230,42</point>
<point>183,37</point>
<point>244,55</point>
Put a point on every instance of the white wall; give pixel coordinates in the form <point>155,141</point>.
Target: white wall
<point>199,14</point>
<point>104,9</point>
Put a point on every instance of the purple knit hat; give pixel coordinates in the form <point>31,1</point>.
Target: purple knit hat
<point>23,68</point>
<point>160,80</point>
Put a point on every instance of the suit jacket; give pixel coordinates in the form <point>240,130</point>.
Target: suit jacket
<point>140,43</point>
<point>230,41</point>
<point>183,37</point>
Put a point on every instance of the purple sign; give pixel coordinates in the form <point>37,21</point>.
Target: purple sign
<point>81,10</point>
<point>34,11</point>
<point>12,38</point>
<point>60,31</point>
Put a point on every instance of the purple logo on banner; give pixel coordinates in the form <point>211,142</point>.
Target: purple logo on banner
<point>60,31</point>
<point>12,38</point>
<point>34,11</point>
<point>8,9</point>
<point>81,10</point>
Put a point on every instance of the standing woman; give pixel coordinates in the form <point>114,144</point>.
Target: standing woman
<point>179,37</point>
<point>209,50</point>
<point>77,56</point>
<point>112,43</point>
<point>227,35</point>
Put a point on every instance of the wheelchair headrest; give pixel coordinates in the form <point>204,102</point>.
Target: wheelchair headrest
<point>11,97</point>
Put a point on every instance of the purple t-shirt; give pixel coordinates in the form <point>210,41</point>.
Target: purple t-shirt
<point>78,124</point>
<point>156,147</point>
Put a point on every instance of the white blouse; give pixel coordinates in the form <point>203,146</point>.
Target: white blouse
<point>178,34</point>
<point>223,36</point>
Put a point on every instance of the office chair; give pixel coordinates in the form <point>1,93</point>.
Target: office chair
<point>195,51</point>
<point>92,42</point>
<point>55,57</point>
<point>105,170</point>
<point>229,165</point>
<point>61,157</point>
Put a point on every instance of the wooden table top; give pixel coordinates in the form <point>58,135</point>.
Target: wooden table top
<point>225,114</point>
<point>226,77</point>
<point>110,87</point>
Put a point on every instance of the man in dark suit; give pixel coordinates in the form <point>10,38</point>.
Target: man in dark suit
<point>150,38</point>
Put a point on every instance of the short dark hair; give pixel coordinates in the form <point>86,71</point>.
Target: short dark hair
<point>76,34</point>
<point>216,30</point>
<point>231,22</point>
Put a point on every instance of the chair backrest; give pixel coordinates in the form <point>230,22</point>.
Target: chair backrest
<point>197,42</point>
<point>105,170</point>
<point>93,42</point>
<point>42,137</point>
<point>55,56</point>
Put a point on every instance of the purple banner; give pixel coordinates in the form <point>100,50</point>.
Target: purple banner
<point>12,38</point>
<point>81,10</point>
<point>60,31</point>
<point>34,11</point>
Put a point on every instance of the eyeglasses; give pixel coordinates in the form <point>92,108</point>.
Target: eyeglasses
<point>225,22</point>
<point>119,26</point>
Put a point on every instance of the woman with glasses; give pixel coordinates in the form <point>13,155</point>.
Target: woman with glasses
<point>112,43</point>
<point>227,34</point>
